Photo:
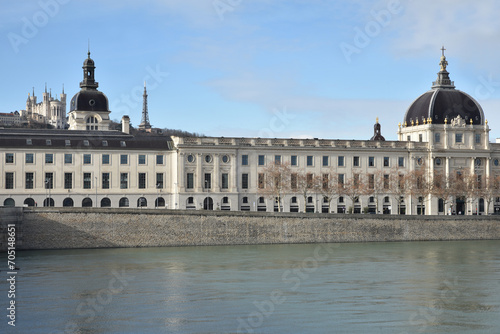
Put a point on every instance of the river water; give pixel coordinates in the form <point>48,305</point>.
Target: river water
<point>403,287</point>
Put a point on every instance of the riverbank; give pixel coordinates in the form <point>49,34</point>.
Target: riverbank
<point>70,228</point>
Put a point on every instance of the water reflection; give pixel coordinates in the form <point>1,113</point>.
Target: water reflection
<point>438,287</point>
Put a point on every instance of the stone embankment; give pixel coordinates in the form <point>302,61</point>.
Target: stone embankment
<point>62,228</point>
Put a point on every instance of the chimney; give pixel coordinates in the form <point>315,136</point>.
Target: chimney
<point>126,124</point>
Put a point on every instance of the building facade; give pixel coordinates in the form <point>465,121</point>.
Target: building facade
<point>444,133</point>
<point>50,110</point>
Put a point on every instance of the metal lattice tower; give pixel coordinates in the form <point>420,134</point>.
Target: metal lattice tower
<point>145,116</point>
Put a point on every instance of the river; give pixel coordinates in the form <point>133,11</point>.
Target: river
<point>400,287</point>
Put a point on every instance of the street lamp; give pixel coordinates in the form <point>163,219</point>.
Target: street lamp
<point>158,195</point>
<point>96,191</point>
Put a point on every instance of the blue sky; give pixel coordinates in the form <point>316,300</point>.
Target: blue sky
<point>260,68</point>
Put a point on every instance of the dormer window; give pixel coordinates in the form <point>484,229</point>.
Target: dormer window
<point>104,143</point>
<point>85,143</point>
<point>48,142</point>
<point>29,142</point>
<point>67,142</point>
<point>123,144</point>
<point>92,122</point>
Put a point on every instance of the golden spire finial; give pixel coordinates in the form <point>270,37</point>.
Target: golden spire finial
<point>429,121</point>
<point>425,120</point>
<point>446,120</point>
<point>471,121</point>
<point>399,125</point>
<point>376,120</point>
<point>486,122</point>
<point>417,121</point>
<point>412,122</point>
<point>443,63</point>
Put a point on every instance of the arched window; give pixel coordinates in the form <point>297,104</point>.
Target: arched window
<point>142,202</point>
<point>105,202</point>
<point>92,123</point>
<point>440,205</point>
<point>160,202</point>
<point>87,202</point>
<point>123,202</point>
<point>48,202</point>
<point>9,202</point>
<point>68,202</point>
<point>29,202</point>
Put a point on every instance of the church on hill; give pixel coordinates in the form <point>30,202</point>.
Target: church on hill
<point>442,163</point>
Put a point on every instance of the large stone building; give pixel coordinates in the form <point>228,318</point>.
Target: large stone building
<point>50,110</point>
<point>444,132</point>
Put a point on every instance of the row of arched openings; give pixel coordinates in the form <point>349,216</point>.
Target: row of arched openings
<point>87,202</point>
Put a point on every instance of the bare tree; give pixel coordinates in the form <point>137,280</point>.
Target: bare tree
<point>330,187</point>
<point>355,187</point>
<point>488,190</point>
<point>378,184</point>
<point>397,185</point>
<point>417,185</point>
<point>276,182</point>
<point>307,184</point>
<point>442,188</point>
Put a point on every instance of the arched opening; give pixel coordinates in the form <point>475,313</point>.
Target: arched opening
<point>208,203</point>
<point>48,202</point>
<point>310,204</point>
<point>226,206</point>
<point>460,206</point>
<point>87,202</point>
<point>29,202</point>
<point>9,202</point>
<point>440,205</point>
<point>294,204</point>
<point>124,203</point>
<point>160,202</point>
<point>261,205</point>
<point>68,202</point>
<point>105,203</point>
<point>190,204</point>
<point>481,205</point>
<point>142,202</point>
<point>386,209</point>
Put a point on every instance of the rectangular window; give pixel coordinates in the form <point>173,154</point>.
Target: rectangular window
<point>401,161</point>
<point>68,158</point>
<point>341,179</point>
<point>87,181</point>
<point>9,180</point>
<point>262,160</point>
<point>478,138</point>
<point>190,181</point>
<point>293,160</point>
<point>244,160</point>
<point>9,158</point>
<point>105,159</point>
<point>142,180</point>
<point>387,162</point>
<point>105,180</point>
<point>458,137</point>
<point>326,181</point>
<point>355,180</point>
<point>49,180</point>
<point>244,181</point>
<point>371,181</point>
<point>159,159</point>
<point>309,160</point>
<point>277,159</point>
<point>142,159</point>
<point>386,181</point>
<point>325,161</point>
<point>261,181</point>
<point>408,138</point>
<point>123,180</point>
<point>309,180</point>
<point>30,180</point>
<point>159,180</point>
<point>208,181</point>
<point>225,181</point>
<point>437,138</point>
<point>341,161</point>
<point>123,159</point>
<point>87,159</point>
<point>420,137</point>
<point>30,158</point>
<point>355,161</point>
<point>68,181</point>
<point>293,180</point>
<point>49,158</point>
<point>371,161</point>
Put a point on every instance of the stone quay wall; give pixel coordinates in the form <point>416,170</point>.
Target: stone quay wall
<point>64,228</point>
